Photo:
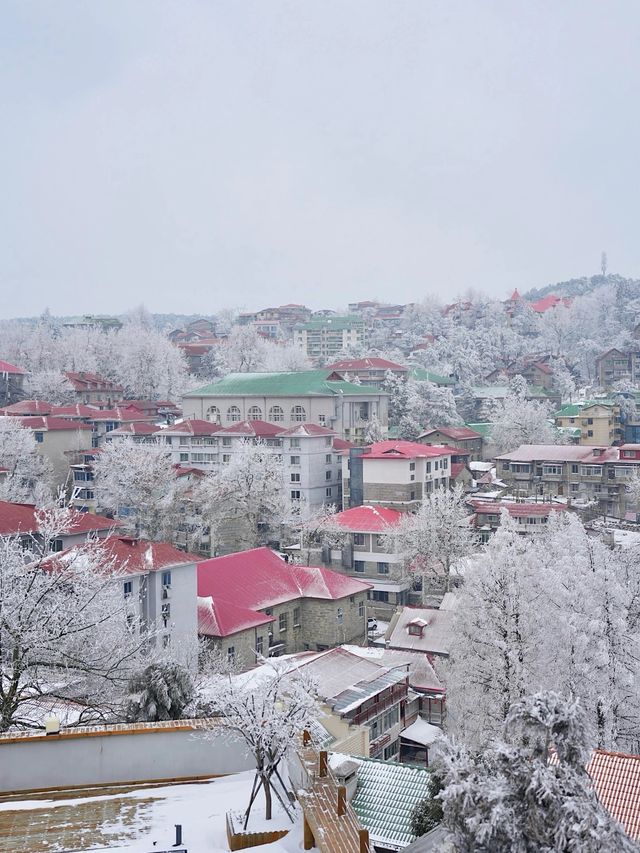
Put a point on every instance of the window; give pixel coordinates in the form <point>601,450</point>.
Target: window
<point>328,459</point>
<point>552,470</point>
<point>383,568</point>
<point>282,621</point>
<point>428,467</point>
<point>391,752</point>
<point>574,487</point>
<point>412,496</point>
<point>233,414</point>
<point>296,617</point>
<point>259,645</point>
<point>213,415</point>
<point>322,420</point>
<point>166,580</point>
<point>276,414</point>
<point>361,609</point>
<point>231,654</point>
<point>445,463</point>
<point>166,615</point>
<point>39,436</point>
<point>574,469</point>
<point>328,475</point>
<point>328,493</point>
<point>340,616</point>
<point>226,457</point>
<point>254,413</point>
<point>166,641</point>
<point>184,457</point>
<point>298,414</point>
<point>127,588</point>
<point>590,433</point>
<point>295,478</point>
<point>415,630</point>
<point>379,595</point>
<point>226,441</point>
<point>294,460</point>
<point>358,566</point>
<point>358,538</point>
<point>294,443</point>
<point>380,540</point>
<point>412,466</point>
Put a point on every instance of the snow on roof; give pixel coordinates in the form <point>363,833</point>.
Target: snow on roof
<point>616,778</point>
<point>392,449</point>
<point>91,381</point>
<point>223,619</point>
<point>79,410</point>
<point>259,578</point>
<point>193,426</point>
<point>550,301</point>
<point>6,367</point>
<point>21,518</point>
<point>421,732</point>
<point>368,519</point>
<point>28,407</point>
<point>452,432</point>
<point>135,556</point>
<point>134,428</point>
<point>562,453</point>
<point>515,509</point>
<point>308,429</point>
<point>366,364</point>
<point>435,638</point>
<point>258,429</point>
<point>422,676</point>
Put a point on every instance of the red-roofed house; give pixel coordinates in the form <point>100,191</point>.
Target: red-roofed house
<point>11,383</point>
<point>139,432</point>
<point>90,387</point>
<point>366,554</point>
<point>616,779</point>
<point>550,301</point>
<point>20,520</point>
<point>370,371</point>
<point>455,436</point>
<point>56,438</point>
<point>392,473</point>
<point>254,603</point>
<point>162,580</point>
<point>26,408</point>
<point>530,518</point>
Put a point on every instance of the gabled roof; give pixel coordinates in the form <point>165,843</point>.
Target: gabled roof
<point>307,430</point>
<point>134,428</point>
<point>453,432</point>
<point>346,680</point>
<point>588,455</point>
<point>368,519</point>
<point>298,384</point>
<point>550,301</point>
<point>515,510</point>
<point>391,449</point>
<point>21,518</point>
<point>28,407</point>
<point>48,424</point>
<point>342,444</point>
<point>616,778</point>
<point>192,426</point>
<point>76,410</point>
<point>224,618</point>
<point>255,429</point>
<point>572,410</point>
<point>84,381</point>
<point>124,413</point>
<point>367,364</point>
<point>6,367</point>
<point>435,637</point>
<point>137,556</point>
<point>255,579</point>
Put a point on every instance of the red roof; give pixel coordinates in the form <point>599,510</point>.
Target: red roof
<point>21,518</point>
<point>136,556</point>
<point>367,364</point>
<point>222,618</point>
<point>616,778</point>
<point>258,429</point>
<point>550,301</point>
<point>84,381</point>
<point>78,410</point>
<point>342,444</point>
<point>392,449</point>
<point>368,519</point>
<point>48,424</point>
<point>127,413</point>
<point>190,427</point>
<point>456,468</point>
<point>134,428</point>
<point>453,432</point>
<point>28,407</point>
<point>5,367</point>
<point>515,295</point>
<point>516,510</point>
<point>307,429</point>
<point>241,584</point>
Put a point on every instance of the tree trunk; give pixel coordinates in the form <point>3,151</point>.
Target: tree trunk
<point>266,782</point>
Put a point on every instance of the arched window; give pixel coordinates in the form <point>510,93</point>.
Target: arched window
<point>298,414</point>
<point>276,414</point>
<point>233,414</point>
<point>255,413</point>
<point>213,415</point>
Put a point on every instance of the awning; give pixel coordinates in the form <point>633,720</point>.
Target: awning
<point>387,586</point>
<point>421,732</point>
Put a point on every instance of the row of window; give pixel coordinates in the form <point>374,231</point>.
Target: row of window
<point>254,413</point>
<point>383,568</point>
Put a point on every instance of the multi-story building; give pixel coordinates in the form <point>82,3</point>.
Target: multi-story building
<point>594,422</point>
<point>370,371</point>
<point>55,439</point>
<point>536,370</point>
<point>616,365</point>
<point>322,338</point>
<point>139,432</point>
<point>289,399</point>
<point>253,604</point>
<point>530,518</point>
<point>90,387</point>
<point>11,383</point>
<point>461,437</point>
<point>396,474</point>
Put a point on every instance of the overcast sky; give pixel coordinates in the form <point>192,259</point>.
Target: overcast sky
<point>195,155</point>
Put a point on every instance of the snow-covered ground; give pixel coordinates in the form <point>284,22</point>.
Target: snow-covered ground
<point>142,821</point>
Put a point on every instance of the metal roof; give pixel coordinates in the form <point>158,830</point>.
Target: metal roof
<point>353,697</point>
<point>300,383</point>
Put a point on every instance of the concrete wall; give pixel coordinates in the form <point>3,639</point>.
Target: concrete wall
<point>57,443</point>
<point>108,755</point>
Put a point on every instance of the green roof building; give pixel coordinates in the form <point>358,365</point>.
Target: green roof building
<point>288,399</point>
<point>323,338</point>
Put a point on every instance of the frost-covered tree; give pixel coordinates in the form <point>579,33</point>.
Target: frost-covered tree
<point>52,386</point>
<point>320,530</point>
<point>161,691</point>
<point>432,539</point>
<point>138,484</point>
<point>63,625</point>
<point>519,421</point>
<point>529,790</point>
<point>28,475</point>
<point>398,391</point>
<point>427,813</point>
<point>148,365</point>
<point>268,716</point>
<point>373,431</point>
<point>427,406</point>
<point>246,500</point>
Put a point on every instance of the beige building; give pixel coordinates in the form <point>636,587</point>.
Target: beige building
<point>595,422</point>
<point>57,439</point>
<point>290,399</point>
<point>322,338</point>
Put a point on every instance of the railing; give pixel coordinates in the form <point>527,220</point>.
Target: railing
<point>380,706</point>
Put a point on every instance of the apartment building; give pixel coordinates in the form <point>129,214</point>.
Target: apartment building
<point>22,520</point>
<point>83,496</point>
<point>253,603</point>
<point>462,437</point>
<point>585,475</point>
<point>289,399</point>
<point>616,365</point>
<point>530,518</point>
<point>89,387</point>
<point>11,383</point>
<point>594,423</point>
<point>55,439</point>
<point>369,371</point>
<point>322,338</point>
<point>396,474</point>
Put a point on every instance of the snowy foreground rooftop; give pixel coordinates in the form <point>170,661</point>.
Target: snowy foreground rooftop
<point>136,820</point>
